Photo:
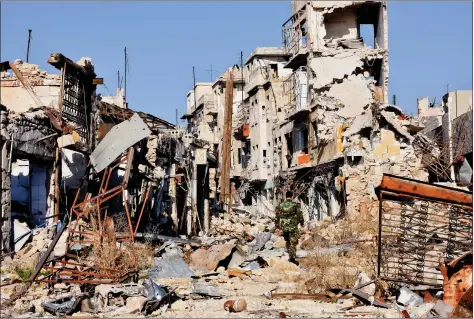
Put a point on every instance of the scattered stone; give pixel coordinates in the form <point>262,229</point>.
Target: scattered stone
<point>133,305</point>
<point>362,279</point>
<point>409,298</point>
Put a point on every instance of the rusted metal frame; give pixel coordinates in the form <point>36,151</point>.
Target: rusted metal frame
<point>467,207</point>
<point>424,190</point>
<point>414,247</point>
<point>104,196</point>
<point>127,211</point>
<point>411,266</point>
<point>72,281</point>
<point>83,233</point>
<point>92,267</point>
<point>101,187</point>
<point>126,176</point>
<point>79,273</point>
<point>419,236</point>
<point>411,282</point>
<point>141,211</point>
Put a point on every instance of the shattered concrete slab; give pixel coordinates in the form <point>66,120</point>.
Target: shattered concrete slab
<point>172,266</point>
<point>353,93</point>
<point>400,130</point>
<point>360,122</point>
<point>208,259</point>
<point>330,68</point>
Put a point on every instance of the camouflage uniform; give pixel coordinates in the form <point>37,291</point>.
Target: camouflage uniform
<point>288,216</point>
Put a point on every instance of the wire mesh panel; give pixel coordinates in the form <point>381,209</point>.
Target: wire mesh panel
<point>417,234</point>
<point>74,105</point>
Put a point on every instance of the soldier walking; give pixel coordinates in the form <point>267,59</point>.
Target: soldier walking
<point>288,216</point>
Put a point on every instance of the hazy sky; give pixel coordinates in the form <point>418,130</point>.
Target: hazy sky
<point>430,43</point>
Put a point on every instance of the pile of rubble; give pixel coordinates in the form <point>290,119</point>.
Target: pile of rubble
<point>245,272</point>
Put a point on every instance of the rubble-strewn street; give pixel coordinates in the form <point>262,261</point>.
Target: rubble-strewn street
<point>295,190</point>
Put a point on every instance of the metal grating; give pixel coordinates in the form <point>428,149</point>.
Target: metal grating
<point>417,234</point>
<point>74,107</point>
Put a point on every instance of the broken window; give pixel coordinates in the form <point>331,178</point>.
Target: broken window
<point>264,153</point>
<point>239,155</point>
<point>274,68</point>
<point>370,24</point>
<point>367,33</point>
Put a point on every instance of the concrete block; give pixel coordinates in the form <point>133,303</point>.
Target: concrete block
<point>380,149</point>
<point>387,137</point>
<point>393,149</point>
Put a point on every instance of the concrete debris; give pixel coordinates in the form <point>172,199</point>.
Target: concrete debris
<point>170,267</point>
<point>167,217</point>
<point>360,122</point>
<point>400,130</point>
<point>209,259</point>
<point>409,298</point>
<point>442,309</point>
<point>362,279</point>
<point>205,289</point>
<point>62,306</point>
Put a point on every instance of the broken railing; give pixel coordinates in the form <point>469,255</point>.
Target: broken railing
<point>93,217</point>
<point>294,33</point>
<point>420,227</point>
<point>94,207</point>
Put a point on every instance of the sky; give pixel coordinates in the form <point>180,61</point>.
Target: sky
<point>430,44</point>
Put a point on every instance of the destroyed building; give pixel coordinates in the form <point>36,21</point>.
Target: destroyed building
<point>315,115</point>
<point>97,195</point>
<point>52,125</point>
<point>445,142</point>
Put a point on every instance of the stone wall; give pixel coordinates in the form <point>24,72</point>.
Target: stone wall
<point>5,198</point>
<point>16,97</point>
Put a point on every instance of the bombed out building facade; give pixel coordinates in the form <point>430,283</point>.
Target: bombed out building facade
<point>65,155</point>
<point>314,117</point>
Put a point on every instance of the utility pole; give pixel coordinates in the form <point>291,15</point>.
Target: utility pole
<point>194,87</point>
<point>118,80</point>
<point>394,99</point>
<point>225,177</point>
<point>176,117</point>
<point>125,84</point>
<point>242,74</point>
<point>28,48</point>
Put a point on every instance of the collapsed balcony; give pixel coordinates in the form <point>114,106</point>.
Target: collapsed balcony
<point>296,89</point>
<point>294,33</point>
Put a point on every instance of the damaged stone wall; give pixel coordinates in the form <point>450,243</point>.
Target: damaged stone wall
<point>5,186</point>
<point>46,87</point>
<point>351,121</point>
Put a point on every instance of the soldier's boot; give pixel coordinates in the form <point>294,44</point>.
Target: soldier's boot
<point>294,261</point>
<point>292,249</point>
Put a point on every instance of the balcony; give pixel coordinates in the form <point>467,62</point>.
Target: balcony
<point>296,89</point>
<point>294,36</point>
<point>258,77</point>
<point>207,100</point>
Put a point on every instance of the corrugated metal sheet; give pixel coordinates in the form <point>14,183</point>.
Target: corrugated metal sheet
<point>117,140</point>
